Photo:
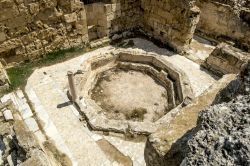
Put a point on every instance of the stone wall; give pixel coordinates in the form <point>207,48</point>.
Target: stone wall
<point>166,146</point>
<point>106,19</point>
<point>32,28</point>
<point>114,17</point>
<point>224,20</point>
<point>29,29</point>
<point>226,59</point>
<point>96,20</point>
<point>128,15</point>
<point>172,22</point>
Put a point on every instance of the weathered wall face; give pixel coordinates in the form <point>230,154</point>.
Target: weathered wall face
<point>171,21</point>
<point>224,20</point>
<point>105,19</point>
<point>96,20</point>
<point>128,15</point>
<point>29,29</point>
<point>226,59</point>
<point>32,28</point>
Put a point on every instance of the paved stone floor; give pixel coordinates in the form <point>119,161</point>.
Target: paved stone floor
<point>46,89</point>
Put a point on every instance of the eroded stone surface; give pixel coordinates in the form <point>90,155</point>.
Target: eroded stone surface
<point>61,123</point>
<point>166,146</point>
<point>107,113</point>
<point>226,59</point>
<point>223,135</point>
<point>225,20</point>
<point>120,93</point>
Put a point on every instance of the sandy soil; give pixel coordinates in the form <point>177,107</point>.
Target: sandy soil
<point>121,92</point>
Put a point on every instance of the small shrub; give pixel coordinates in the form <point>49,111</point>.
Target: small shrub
<point>19,74</point>
<point>136,114</point>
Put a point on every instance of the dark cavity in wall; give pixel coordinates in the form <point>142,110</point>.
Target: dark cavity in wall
<point>95,1</point>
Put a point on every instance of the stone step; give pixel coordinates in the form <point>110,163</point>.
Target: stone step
<point>48,125</point>
<point>63,126</point>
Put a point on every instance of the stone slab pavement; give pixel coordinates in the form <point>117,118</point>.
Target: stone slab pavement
<point>46,89</point>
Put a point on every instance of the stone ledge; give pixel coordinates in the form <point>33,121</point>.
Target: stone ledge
<point>173,79</point>
<point>226,59</point>
<point>163,147</point>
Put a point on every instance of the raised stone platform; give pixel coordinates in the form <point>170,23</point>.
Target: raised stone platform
<point>173,80</point>
<point>71,134</point>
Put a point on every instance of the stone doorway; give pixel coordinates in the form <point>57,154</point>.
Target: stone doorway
<point>96,20</point>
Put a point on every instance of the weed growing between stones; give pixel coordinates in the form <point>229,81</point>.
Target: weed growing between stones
<point>136,114</point>
<point>19,74</point>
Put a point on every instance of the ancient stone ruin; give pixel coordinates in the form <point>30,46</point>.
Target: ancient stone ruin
<point>124,82</point>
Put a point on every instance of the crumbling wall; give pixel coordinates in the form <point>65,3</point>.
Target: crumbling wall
<point>166,146</point>
<point>227,20</point>
<point>226,59</point>
<point>96,20</point>
<point>29,29</point>
<point>106,19</point>
<point>172,22</point>
<point>222,136</point>
<point>127,17</point>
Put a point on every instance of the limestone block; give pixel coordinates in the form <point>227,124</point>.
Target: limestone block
<point>20,50</point>
<point>46,33</point>
<point>27,39</point>
<point>10,160</point>
<point>69,18</point>
<point>37,158</point>
<point>82,15</point>
<point>81,27</point>
<point>1,158</point>
<point>38,44</point>
<point>7,13</point>
<point>35,54</point>
<point>30,47</point>
<point>6,3</point>
<point>108,8</point>
<point>85,38</point>
<point>19,1</point>
<point>25,138</point>
<point>34,8</point>
<point>99,7</point>
<point>48,4</point>
<point>25,111</point>
<point>75,42</point>
<point>32,125</point>
<point>226,59</point>
<point>110,16</point>
<point>2,37</point>
<point>76,5</point>
<point>4,81</point>
<point>5,98</point>
<point>8,115</point>
<point>40,137</point>
<point>20,94</point>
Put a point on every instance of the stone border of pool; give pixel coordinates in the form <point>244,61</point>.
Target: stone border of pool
<point>177,83</point>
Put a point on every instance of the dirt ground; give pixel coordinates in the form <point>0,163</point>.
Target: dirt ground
<point>130,95</point>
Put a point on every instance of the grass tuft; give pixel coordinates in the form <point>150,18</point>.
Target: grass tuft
<point>136,114</point>
<point>19,74</point>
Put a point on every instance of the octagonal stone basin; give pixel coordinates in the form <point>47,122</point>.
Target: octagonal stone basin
<point>129,92</point>
<point>130,95</point>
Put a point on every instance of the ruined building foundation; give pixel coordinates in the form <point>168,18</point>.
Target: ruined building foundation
<point>134,93</point>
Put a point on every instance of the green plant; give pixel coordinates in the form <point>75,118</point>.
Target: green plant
<point>136,114</point>
<point>19,74</point>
